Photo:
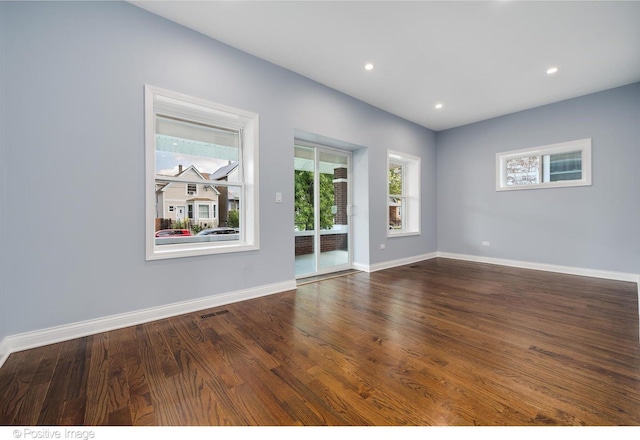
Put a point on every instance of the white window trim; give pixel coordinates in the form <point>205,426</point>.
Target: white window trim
<point>411,194</point>
<point>191,193</point>
<point>199,204</point>
<point>582,145</point>
<point>191,108</point>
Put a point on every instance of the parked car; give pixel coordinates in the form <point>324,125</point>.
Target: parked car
<point>173,233</point>
<point>216,231</point>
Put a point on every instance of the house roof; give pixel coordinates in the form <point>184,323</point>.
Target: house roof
<point>202,176</point>
<point>200,199</point>
<point>224,171</point>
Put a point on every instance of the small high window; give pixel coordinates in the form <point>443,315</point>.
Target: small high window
<point>549,166</point>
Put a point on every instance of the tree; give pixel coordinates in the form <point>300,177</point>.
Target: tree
<point>233,219</point>
<point>395,179</point>
<point>304,188</point>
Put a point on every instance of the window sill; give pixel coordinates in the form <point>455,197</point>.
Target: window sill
<point>391,234</point>
<point>195,251</point>
<point>545,185</point>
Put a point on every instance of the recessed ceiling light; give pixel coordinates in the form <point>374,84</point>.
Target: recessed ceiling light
<point>552,70</point>
<point>438,106</point>
<point>368,66</point>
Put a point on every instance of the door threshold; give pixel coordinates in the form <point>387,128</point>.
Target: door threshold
<point>326,276</point>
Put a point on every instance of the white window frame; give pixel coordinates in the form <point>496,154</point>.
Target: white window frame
<point>582,145</point>
<point>208,205</point>
<point>411,166</point>
<point>204,111</point>
<point>192,193</point>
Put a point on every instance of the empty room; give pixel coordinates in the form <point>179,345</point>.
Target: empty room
<point>319,213</point>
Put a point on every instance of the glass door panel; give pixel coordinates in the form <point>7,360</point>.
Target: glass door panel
<point>321,210</point>
<point>305,236</point>
<point>334,216</point>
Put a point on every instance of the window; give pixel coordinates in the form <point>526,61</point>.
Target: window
<point>203,211</point>
<point>403,194</point>
<point>201,155</point>
<point>549,166</point>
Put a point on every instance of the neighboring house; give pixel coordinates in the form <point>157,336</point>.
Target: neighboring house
<point>395,220</point>
<point>229,199</point>
<point>181,201</point>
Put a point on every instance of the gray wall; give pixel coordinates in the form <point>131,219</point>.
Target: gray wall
<point>73,161</point>
<point>595,227</point>
<point>72,164</point>
<point>3,173</point>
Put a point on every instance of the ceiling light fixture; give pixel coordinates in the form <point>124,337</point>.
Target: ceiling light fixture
<point>368,66</point>
<point>438,106</point>
<point>552,70</point>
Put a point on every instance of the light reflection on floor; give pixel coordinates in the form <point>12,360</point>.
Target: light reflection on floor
<point>305,264</point>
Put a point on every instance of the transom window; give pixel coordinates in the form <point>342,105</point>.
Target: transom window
<point>199,156</point>
<point>549,166</point>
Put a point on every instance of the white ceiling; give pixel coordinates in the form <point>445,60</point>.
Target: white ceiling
<point>480,59</point>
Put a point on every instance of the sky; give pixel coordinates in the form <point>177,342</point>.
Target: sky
<point>167,163</point>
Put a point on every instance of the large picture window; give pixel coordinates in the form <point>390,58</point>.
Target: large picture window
<point>549,166</point>
<point>200,156</point>
<point>403,194</point>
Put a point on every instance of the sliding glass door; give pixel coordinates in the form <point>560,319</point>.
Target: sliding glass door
<point>322,210</point>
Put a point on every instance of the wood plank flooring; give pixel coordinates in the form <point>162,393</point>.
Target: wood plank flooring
<point>440,342</point>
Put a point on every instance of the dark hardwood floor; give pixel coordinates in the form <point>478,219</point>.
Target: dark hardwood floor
<point>440,342</point>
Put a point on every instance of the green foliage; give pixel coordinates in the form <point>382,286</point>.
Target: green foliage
<point>304,200</point>
<point>395,179</point>
<point>180,224</point>
<point>186,224</point>
<point>327,200</point>
<point>304,220</point>
<point>233,218</point>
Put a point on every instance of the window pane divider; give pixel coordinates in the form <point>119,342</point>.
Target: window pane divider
<point>199,182</point>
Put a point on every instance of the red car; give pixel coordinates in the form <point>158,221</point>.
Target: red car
<point>173,233</point>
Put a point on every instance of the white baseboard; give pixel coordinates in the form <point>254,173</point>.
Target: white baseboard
<point>360,266</point>
<point>39,338</point>
<point>4,351</point>
<point>394,263</point>
<point>619,276</point>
